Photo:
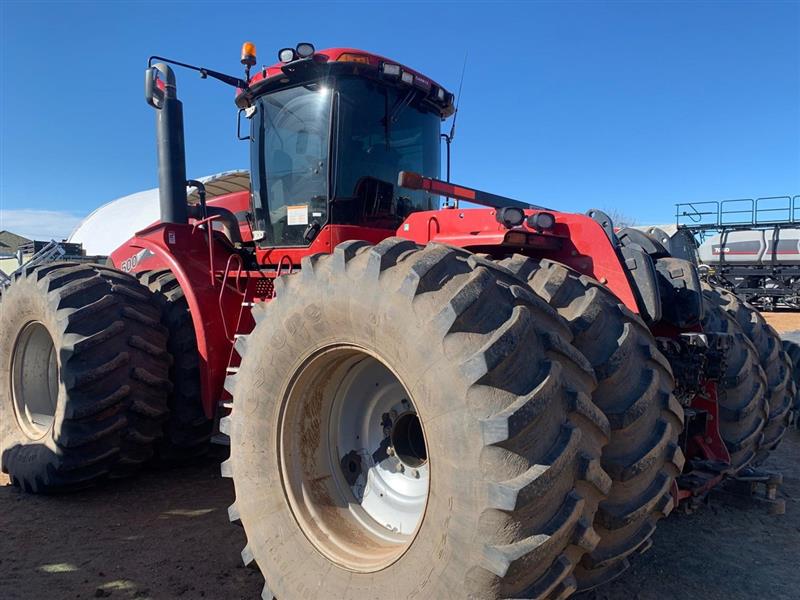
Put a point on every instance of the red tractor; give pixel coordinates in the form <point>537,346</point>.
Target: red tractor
<point>420,400</point>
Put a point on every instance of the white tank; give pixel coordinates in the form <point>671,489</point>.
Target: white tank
<point>752,247</point>
<point>740,247</point>
<point>787,248</point>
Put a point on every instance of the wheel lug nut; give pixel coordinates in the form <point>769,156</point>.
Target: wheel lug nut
<point>400,468</point>
<point>390,451</point>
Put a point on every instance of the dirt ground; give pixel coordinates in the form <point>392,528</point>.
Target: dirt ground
<point>721,551</point>
<point>166,535</point>
<point>783,322</point>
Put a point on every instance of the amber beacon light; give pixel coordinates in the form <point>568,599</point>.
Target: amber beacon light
<point>249,54</point>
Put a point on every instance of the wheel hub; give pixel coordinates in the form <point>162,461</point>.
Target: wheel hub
<point>354,460</point>
<point>34,380</point>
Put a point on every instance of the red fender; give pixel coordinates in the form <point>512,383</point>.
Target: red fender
<point>575,240</point>
<point>183,249</point>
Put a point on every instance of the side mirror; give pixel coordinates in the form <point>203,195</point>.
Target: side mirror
<point>158,80</point>
<point>153,92</point>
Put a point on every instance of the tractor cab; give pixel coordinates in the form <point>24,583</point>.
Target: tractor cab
<point>329,133</point>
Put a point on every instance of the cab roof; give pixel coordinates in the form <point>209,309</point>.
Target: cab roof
<point>354,59</point>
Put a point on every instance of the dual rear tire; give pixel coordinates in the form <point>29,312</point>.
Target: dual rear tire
<point>187,429</point>
<point>507,445</point>
<point>634,391</point>
<point>792,349</point>
<point>777,365</point>
<point>741,391</point>
<point>83,376</point>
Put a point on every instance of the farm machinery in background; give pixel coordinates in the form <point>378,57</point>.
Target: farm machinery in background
<point>40,252</point>
<point>494,402</point>
<point>748,246</point>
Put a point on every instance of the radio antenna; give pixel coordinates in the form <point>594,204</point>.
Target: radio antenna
<point>458,100</point>
<point>448,138</point>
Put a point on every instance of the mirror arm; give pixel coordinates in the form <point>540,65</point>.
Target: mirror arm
<point>204,73</point>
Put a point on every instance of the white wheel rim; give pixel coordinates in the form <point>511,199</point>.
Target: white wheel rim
<point>361,437</point>
<point>34,380</point>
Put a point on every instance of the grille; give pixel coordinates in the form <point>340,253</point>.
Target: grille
<point>265,288</point>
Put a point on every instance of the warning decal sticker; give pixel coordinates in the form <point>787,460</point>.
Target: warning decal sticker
<point>297,215</point>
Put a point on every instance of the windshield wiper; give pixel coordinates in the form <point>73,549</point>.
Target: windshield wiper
<point>393,115</point>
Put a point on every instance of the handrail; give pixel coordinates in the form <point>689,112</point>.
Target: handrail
<point>738,213</point>
<point>279,270</point>
<point>696,215</point>
<point>222,290</point>
<point>51,251</point>
<point>210,232</point>
<point>746,211</point>
<point>787,208</point>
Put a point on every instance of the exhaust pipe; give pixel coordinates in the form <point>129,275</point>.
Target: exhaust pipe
<point>161,93</point>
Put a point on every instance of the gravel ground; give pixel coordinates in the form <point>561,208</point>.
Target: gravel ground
<point>784,321</point>
<point>792,336</point>
<point>166,535</point>
<point>722,552</point>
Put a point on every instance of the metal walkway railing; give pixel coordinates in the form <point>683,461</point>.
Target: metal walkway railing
<point>739,213</point>
<point>53,250</point>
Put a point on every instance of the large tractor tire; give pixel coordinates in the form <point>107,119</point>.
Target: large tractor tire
<point>741,392</point>
<point>793,351</point>
<point>187,431</point>
<point>634,391</point>
<point>83,376</point>
<point>413,422</point>
<point>776,364</point>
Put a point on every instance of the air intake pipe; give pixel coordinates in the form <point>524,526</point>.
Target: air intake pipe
<point>161,93</point>
<point>226,218</point>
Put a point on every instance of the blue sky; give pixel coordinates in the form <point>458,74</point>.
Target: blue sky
<point>630,106</point>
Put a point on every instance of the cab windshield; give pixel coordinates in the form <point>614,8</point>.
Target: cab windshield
<point>382,132</point>
<point>289,155</point>
<point>379,131</point>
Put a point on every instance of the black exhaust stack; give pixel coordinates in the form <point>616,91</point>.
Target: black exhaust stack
<point>161,93</point>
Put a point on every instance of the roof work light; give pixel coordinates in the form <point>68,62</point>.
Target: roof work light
<point>390,69</point>
<point>286,55</point>
<point>304,49</point>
